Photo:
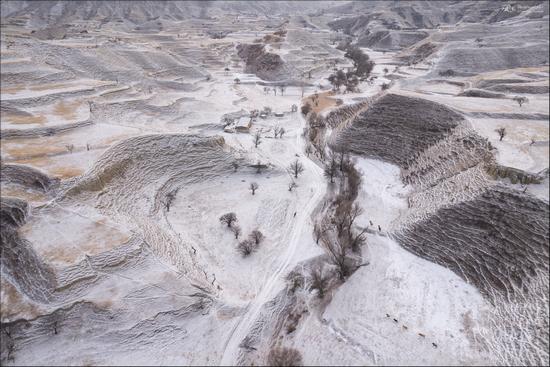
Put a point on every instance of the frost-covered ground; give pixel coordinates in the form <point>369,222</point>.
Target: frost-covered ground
<point>121,119</point>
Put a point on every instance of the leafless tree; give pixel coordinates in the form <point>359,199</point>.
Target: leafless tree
<point>276,130</point>
<point>256,236</point>
<point>170,199</point>
<point>291,185</point>
<point>281,356</point>
<point>319,230</point>
<point>357,240</point>
<point>501,132</point>
<point>228,218</point>
<point>337,250</point>
<point>246,247</point>
<point>253,187</point>
<point>331,169</point>
<point>235,165</point>
<point>520,100</point>
<point>236,231</point>
<point>257,139</point>
<point>296,168</point>
<point>351,215</point>
<point>309,150</point>
<point>319,281</point>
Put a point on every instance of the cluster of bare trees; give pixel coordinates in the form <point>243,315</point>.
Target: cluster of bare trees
<point>362,67</point>
<point>314,132</point>
<point>251,244</point>
<point>348,79</point>
<point>337,232</point>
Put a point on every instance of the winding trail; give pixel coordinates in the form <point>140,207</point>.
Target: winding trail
<point>253,310</point>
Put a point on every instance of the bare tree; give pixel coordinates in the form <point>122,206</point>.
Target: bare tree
<point>236,231</point>
<point>246,247</point>
<point>276,130</point>
<point>520,100</point>
<point>257,138</point>
<point>338,255</point>
<point>235,165</point>
<point>170,199</point>
<point>256,236</point>
<point>319,230</point>
<point>357,240</point>
<point>296,168</point>
<point>291,185</point>
<point>281,356</point>
<point>228,218</point>
<point>351,215</point>
<point>319,281</point>
<point>253,187</point>
<point>501,132</point>
<point>331,169</point>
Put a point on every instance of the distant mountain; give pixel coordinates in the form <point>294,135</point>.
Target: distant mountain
<point>42,13</point>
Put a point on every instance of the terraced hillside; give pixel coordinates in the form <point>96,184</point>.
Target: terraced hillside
<point>216,183</point>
